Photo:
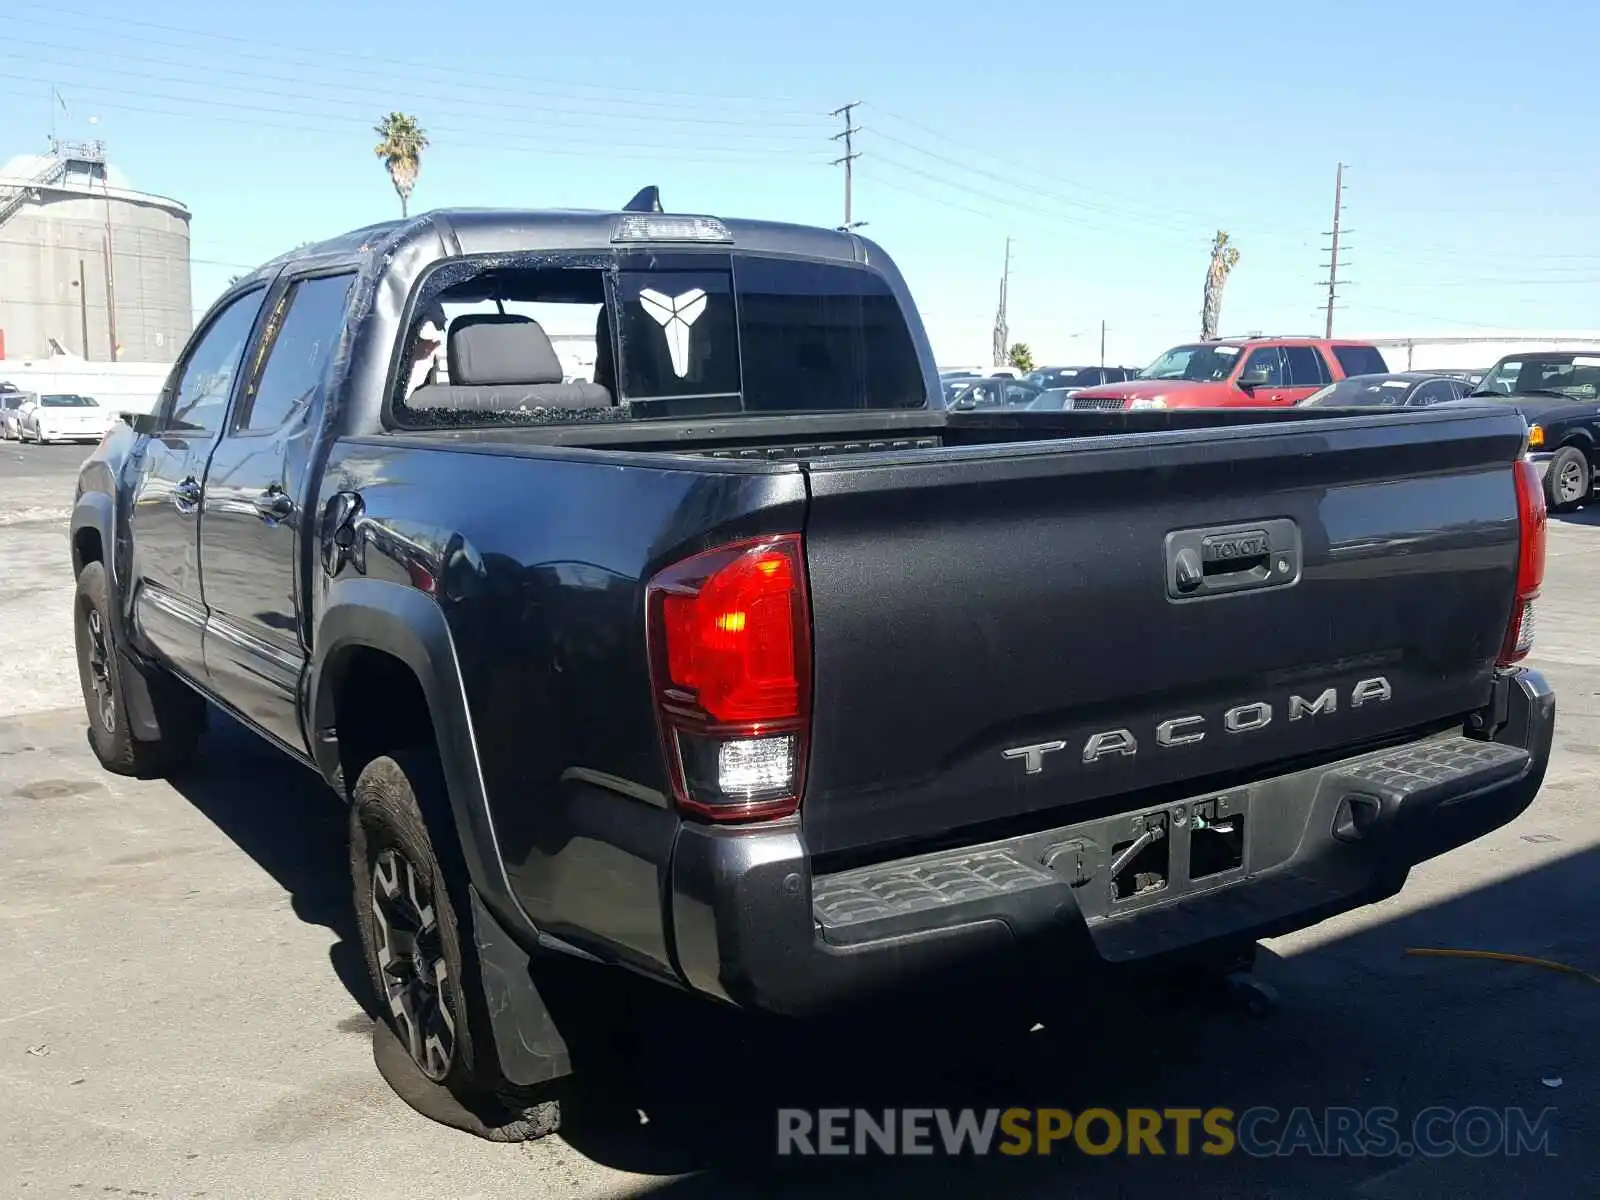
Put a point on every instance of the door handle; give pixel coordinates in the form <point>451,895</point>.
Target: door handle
<point>1236,558</point>
<point>274,504</point>
<point>186,496</point>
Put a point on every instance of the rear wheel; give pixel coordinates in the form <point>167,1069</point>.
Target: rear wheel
<point>179,713</point>
<point>410,898</point>
<point>1568,479</point>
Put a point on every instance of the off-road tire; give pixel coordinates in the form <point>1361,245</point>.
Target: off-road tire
<point>401,874</point>
<point>179,712</point>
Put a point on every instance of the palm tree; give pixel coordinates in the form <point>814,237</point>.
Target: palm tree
<point>401,150</point>
<point>1020,356</point>
<point>1224,258</point>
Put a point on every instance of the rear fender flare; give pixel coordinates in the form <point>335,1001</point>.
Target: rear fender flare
<point>374,614</point>
<point>403,623</point>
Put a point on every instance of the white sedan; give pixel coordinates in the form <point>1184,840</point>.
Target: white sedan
<point>12,403</point>
<point>65,418</point>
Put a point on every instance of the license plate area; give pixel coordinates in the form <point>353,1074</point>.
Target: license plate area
<point>1129,862</point>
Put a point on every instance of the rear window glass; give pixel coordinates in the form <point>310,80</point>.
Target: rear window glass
<point>675,336</point>
<point>1305,366</point>
<point>1360,360</point>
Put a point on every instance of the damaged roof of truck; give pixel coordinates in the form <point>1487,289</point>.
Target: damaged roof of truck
<point>483,231</point>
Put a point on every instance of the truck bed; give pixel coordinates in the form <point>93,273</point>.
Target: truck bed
<point>982,583</point>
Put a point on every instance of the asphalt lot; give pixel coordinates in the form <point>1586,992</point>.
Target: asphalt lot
<point>186,1005</point>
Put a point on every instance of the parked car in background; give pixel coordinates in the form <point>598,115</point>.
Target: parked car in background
<point>1471,378</point>
<point>65,417</point>
<point>1238,373</point>
<point>12,402</point>
<point>996,391</point>
<point>1399,389</point>
<point>1558,394</point>
<point>1076,378</point>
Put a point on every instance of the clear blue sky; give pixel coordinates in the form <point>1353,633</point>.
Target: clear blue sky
<point>1111,140</point>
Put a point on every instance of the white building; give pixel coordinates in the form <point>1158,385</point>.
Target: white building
<point>1447,352</point>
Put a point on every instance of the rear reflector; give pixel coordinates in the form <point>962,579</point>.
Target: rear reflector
<point>730,656</point>
<point>1532,524</point>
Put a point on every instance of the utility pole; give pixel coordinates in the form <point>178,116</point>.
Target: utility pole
<point>1332,282</point>
<point>1102,345</point>
<point>111,281</point>
<point>83,310</point>
<point>847,135</point>
<point>1001,329</point>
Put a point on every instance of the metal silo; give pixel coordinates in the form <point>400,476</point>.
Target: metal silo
<point>88,266</point>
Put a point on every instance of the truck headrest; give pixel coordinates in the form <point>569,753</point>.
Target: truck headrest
<point>491,349</point>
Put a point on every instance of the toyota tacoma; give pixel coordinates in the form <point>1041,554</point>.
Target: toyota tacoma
<point>624,574</point>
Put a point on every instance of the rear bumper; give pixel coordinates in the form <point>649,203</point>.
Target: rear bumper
<point>754,926</point>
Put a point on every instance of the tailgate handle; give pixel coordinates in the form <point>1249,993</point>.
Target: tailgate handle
<point>1222,560</point>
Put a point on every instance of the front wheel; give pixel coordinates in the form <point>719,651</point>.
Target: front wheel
<point>180,714</point>
<point>1567,479</point>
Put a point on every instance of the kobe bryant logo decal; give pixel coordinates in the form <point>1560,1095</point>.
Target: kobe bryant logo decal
<point>675,314</point>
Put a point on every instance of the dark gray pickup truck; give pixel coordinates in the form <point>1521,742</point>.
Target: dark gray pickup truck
<point>732,659</point>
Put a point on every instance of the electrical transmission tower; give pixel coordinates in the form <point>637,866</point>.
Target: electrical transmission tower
<point>1333,282</point>
<point>847,135</point>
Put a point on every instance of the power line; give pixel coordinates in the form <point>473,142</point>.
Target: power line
<point>385,64</point>
<point>361,109</point>
<point>849,158</point>
<point>122,253</point>
<point>948,203</point>
<point>1120,204</point>
<point>511,141</point>
<point>382,93</point>
<point>1069,201</point>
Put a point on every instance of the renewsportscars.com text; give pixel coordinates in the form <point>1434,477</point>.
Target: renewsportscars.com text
<point>1260,1132</point>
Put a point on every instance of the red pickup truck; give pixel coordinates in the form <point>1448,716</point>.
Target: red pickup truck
<point>1236,373</point>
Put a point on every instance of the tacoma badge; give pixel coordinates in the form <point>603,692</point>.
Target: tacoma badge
<point>1189,729</point>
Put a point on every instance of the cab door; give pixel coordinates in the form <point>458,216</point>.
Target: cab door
<point>1260,379</point>
<point>163,477</point>
<point>1305,372</point>
<point>256,495</point>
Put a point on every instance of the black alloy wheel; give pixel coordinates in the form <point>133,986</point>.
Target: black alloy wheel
<point>422,997</point>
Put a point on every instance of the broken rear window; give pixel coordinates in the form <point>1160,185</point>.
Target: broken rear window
<point>716,334</point>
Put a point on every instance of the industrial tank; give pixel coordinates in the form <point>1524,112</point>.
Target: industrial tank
<point>89,266</point>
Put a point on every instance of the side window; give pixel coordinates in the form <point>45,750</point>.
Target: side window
<point>309,323</point>
<point>1306,368</point>
<point>1436,392</point>
<point>205,380</point>
<point>1264,367</point>
<point>1360,360</point>
<point>1020,393</point>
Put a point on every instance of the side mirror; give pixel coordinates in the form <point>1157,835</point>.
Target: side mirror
<point>143,424</point>
<point>1254,379</point>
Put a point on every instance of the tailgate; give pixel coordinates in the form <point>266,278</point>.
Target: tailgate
<point>998,632</point>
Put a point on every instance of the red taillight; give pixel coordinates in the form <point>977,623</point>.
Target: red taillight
<point>1532,522</point>
<point>730,657</point>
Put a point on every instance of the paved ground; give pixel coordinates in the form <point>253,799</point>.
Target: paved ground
<point>185,1019</point>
